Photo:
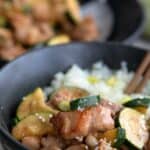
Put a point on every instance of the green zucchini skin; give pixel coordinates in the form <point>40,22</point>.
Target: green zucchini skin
<point>15,121</point>
<point>121,137</point>
<point>84,102</point>
<point>125,116</point>
<point>70,18</point>
<point>138,102</point>
<point>130,146</point>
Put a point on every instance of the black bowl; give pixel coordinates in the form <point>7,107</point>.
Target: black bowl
<point>38,67</point>
<point>128,19</point>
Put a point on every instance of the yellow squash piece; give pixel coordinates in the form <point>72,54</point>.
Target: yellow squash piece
<point>109,135</point>
<point>33,125</point>
<point>59,39</point>
<point>141,109</point>
<point>64,105</point>
<point>33,103</point>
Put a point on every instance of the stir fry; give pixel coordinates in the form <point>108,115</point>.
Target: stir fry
<point>71,119</point>
<point>85,109</point>
<point>26,23</point>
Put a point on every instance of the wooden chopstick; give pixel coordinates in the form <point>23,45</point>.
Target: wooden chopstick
<point>142,84</point>
<point>137,83</point>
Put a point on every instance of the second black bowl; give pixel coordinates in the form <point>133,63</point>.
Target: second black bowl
<point>128,19</point>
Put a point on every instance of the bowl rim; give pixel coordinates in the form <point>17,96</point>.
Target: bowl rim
<point>7,135</point>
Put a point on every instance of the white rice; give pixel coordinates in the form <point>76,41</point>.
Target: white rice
<point>100,80</point>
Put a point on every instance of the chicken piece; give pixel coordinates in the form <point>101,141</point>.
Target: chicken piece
<point>70,142</point>
<point>77,147</point>
<point>52,143</point>
<point>32,143</point>
<point>86,30</point>
<point>58,7</point>
<point>103,145</point>
<point>41,10</point>
<point>5,6</point>
<point>66,94</point>
<point>115,108</point>
<point>18,4</point>
<point>9,53</point>
<point>8,48</point>
<point>18,19</point>
<point>28,32</point>
<point>6,39</point>
<point>51,148</point>
<point>80,123</point>
<point>38,33</point>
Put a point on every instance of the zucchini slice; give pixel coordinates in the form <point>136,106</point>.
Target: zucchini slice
<point>84,102</point>
<point>120,138</point>
<point>70,18</point>
<point>15,121</point>
<point>145,102</point>
<point>134,124</point>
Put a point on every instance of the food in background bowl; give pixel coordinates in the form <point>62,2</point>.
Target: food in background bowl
<point>24,24</point>
<point>84,109</point>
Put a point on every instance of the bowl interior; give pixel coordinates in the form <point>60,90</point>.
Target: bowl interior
<point>38,67</point>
